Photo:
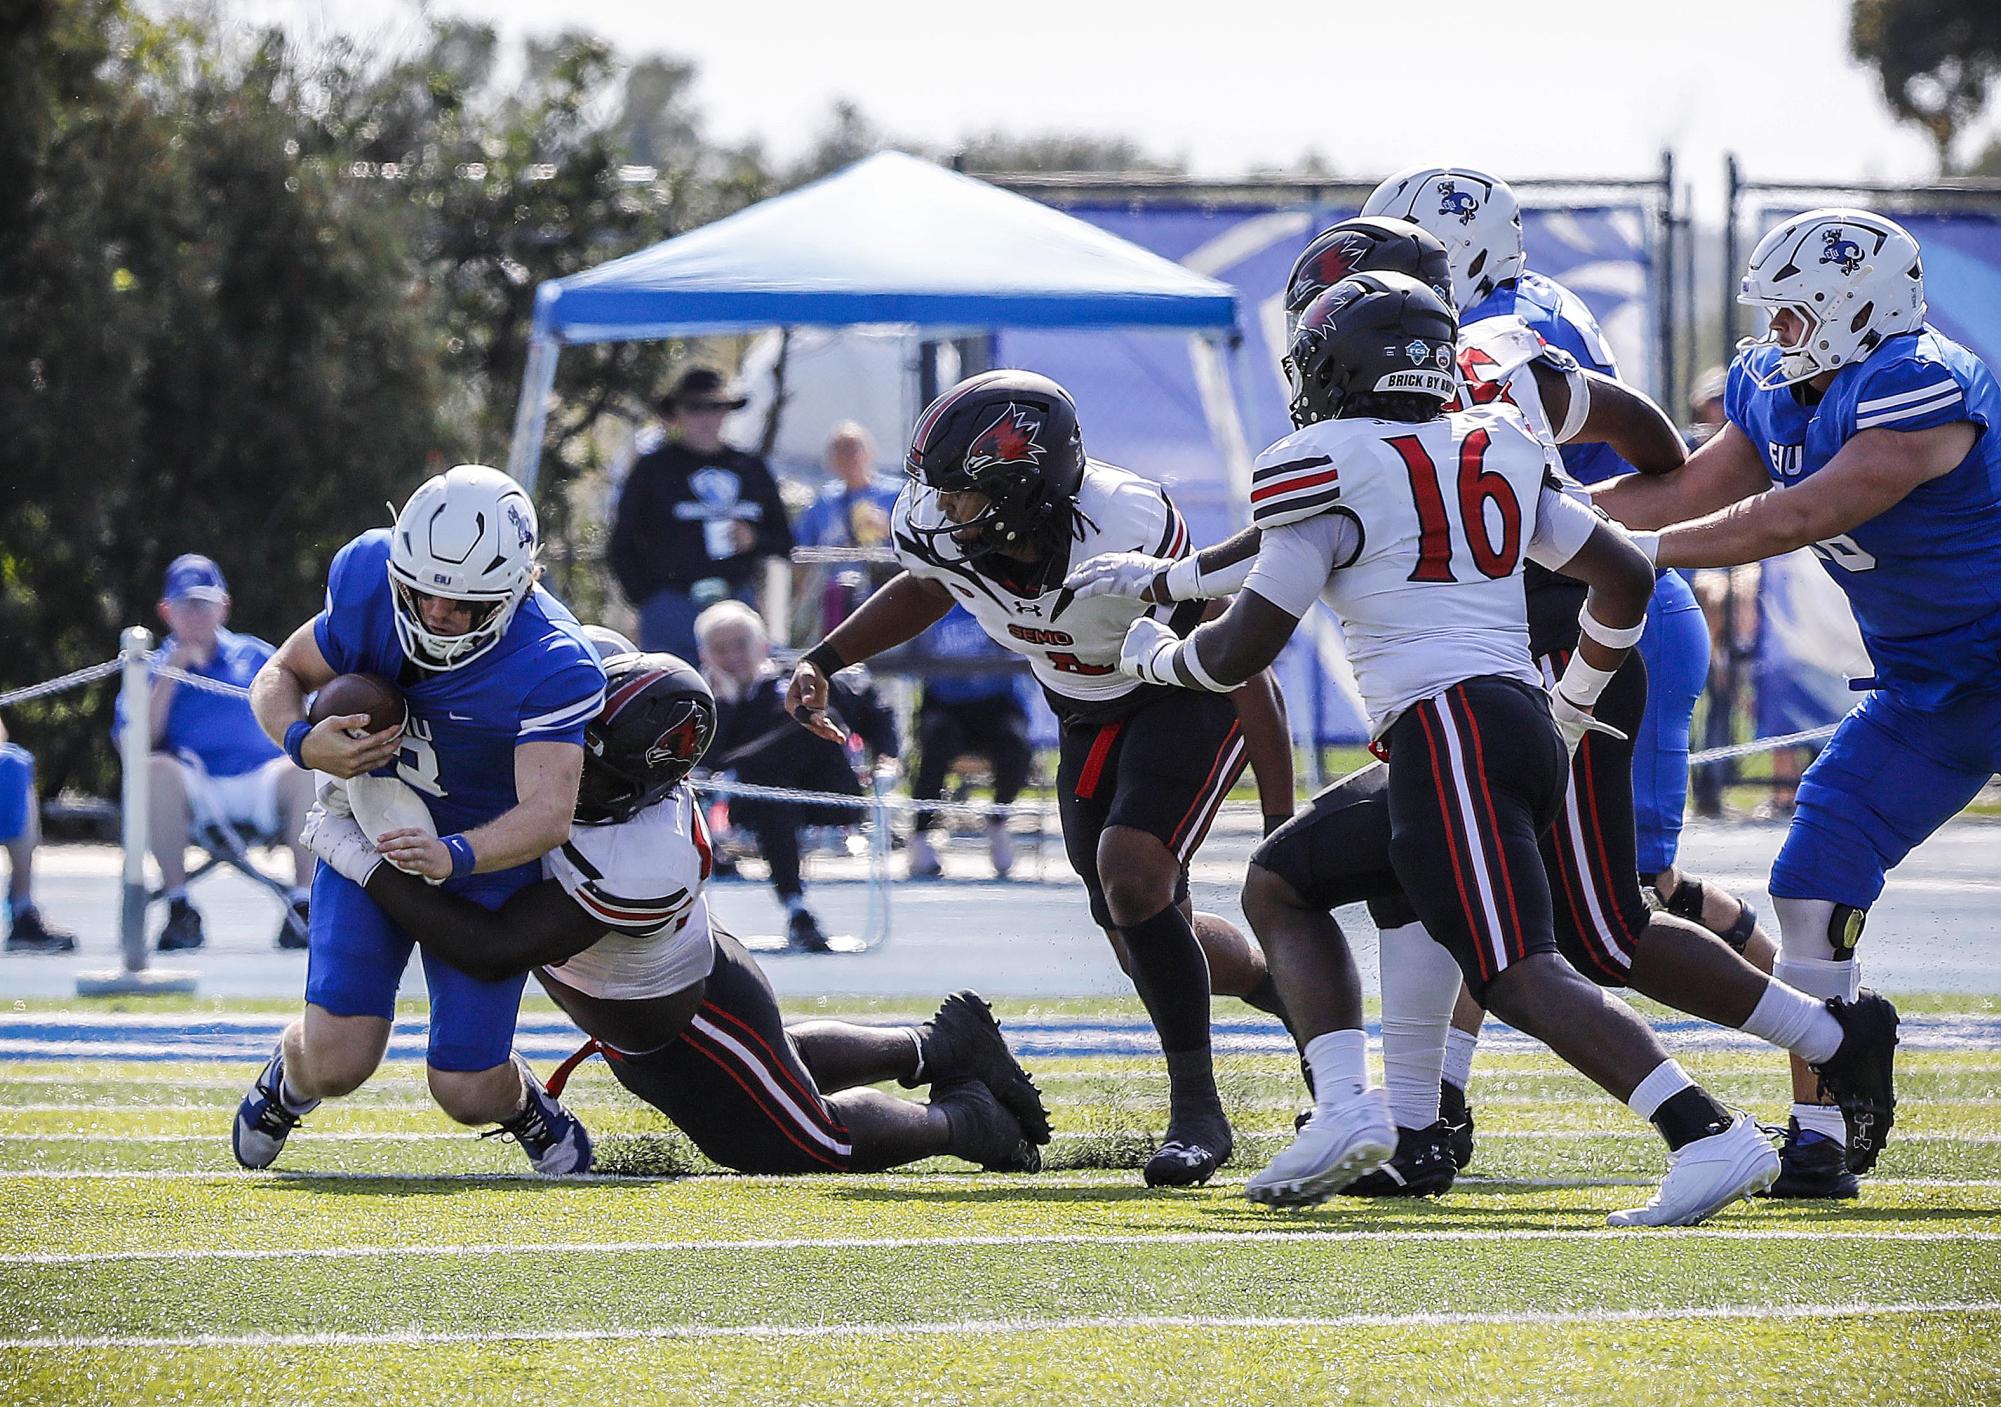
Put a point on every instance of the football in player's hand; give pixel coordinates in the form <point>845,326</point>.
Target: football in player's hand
<point>359,693</point>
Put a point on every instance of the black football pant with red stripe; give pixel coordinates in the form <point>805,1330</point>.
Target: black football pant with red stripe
<point>734,1082</point>
<point>1476,776</point>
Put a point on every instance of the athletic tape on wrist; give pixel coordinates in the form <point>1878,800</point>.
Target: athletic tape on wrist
<point>1183,581</point>
<point>1611,637</point>
<point>295,742</point>
<point>462,857</point>
<point>1583,682</point>
<point>1648,543</point>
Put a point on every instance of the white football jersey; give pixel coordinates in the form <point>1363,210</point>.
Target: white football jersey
<point>1072,645</point>
<point>642,878</point>
<point>1497,356</point>
<point>1414,535</point>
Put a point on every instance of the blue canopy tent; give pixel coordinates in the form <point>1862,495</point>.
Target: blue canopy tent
<point>890,240</point>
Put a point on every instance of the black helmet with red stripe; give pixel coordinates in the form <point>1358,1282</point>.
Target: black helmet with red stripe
<point>1367,244</point>
<point>657,719</point>
<point>1378,345</point>
<point>1012,437</point>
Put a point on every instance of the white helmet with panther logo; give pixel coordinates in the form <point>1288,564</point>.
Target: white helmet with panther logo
<point>468,534</point>
<point>1853,277</point>
<point>1473,214</point>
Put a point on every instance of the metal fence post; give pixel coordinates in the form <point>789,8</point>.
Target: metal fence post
<point>135,747</point>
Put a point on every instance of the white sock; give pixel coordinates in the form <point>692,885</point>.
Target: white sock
<point>1820,977</point>
<point>1420,987</point>
<point>1667,1080</point>
<point>1339,1061</point>
<point>1459,1046</point>
<point>291,1098</point>
<point>1823,1119</point>
<point>1794,1021</point>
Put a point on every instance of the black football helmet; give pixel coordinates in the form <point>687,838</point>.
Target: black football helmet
<point>1368,244</point>
<point>1013,437</point>
<point>1370,335</point>
<point>656,723</point>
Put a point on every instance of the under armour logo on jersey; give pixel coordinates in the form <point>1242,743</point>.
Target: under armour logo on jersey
<point>1453,201</point>
<point>1839,250</point>
<point>1027,608</point>
<point>1010,439</point>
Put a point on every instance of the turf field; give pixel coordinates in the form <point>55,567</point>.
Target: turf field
<point>399,1259</point>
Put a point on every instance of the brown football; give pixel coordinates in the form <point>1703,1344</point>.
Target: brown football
<point>359,693</point>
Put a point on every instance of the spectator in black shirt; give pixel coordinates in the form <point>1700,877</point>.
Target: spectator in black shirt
<point>697,519</point>
<point>757,742</point>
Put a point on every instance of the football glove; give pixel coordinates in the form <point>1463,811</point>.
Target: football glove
<point>1573,723</point>
<point>1143,653</point>
<point>1116,574</point>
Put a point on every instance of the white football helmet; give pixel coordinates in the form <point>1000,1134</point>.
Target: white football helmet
<point>1853,277</point>
<point>1473,214</point>
<point>468,534</point>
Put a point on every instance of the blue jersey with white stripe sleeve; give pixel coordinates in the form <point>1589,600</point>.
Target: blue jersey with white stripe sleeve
<point>1561,319</point>
<point>540,683</point>
<point>1924,576</point>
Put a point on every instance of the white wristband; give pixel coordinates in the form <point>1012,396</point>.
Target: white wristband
<point>1185,651</point>
<point>1648,543</point>
<point>1183,580</point>
<point>1611,637</point>
<point>1582,681</point>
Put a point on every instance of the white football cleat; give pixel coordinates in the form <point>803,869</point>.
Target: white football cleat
<point>1333,1149</point>
<point>1708,1175</point>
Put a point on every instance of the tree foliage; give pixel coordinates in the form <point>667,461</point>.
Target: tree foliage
<point>1935,59</point>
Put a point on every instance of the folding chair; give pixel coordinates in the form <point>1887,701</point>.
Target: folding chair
<point>226,842</point>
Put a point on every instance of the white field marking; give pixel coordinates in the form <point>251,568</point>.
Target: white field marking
<point>985,1327</point>
<point>1023,1241</point>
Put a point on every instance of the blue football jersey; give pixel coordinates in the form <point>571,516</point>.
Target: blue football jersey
<point>1924,576</point>
<point>1561,319</point>
<point>540,683</point>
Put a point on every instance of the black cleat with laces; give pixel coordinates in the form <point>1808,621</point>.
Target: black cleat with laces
<point>965,1039</point>
<point>1811,1166</point>
<point>1421,1167</point>
<point>554,1139</point>
<point>263,1120</point>
<point>982,1129</point>
<point>1190,1154</point>
<point>1861,1075</point>
<point>1458,1117</point>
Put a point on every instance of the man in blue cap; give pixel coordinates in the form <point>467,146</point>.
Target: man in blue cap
<point>208,750</point>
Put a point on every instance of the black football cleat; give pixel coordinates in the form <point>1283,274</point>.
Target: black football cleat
<point>1457,1116</point>
<point>1191,1153</point>
<point>982,1130</point>
<point>1422,1166</point>
<point>1861,1076</point>
<point>30,935</point>
<point>1811,1166</point>
<point>183,931</point>
<point>803,935</point>
<point>964,1039</point>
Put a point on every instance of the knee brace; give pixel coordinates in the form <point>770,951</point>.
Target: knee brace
<point>1817,941</point>
<point>1686,903</point>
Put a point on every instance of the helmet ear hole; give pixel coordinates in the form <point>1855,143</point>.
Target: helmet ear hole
<point>1861,318</point>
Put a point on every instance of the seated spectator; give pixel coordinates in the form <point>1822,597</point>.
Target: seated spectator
<point>208,750</point>
<point>697,519</point>
<point>20,833</point>
<point>981,714</point>
<point>852,511</point>
<point>756,742</point>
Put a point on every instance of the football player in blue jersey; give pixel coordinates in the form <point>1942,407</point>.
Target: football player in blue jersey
<point>1857,430</point>
<point>499,683</point>
<point>1478,219</point>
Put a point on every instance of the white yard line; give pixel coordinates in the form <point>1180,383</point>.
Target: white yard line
<point>1023,1241</point>
<point>962,1328</point>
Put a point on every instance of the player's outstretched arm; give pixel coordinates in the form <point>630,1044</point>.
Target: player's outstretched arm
<point>1572,539</point>
<point>1208,575</point>
<point>278,700</point>
<point>902,610</point>
<point>1869,475</point>
<point>1604,410</point>
<point>1727,469</point>
<point>538,925</point>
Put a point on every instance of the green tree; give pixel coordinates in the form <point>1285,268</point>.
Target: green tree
<point>1935,59</point>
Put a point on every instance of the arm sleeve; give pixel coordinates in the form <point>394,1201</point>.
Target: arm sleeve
<point>1562,527</point>
<point>556,710</point>
<point>1911,393</point>
<point>1294,561</point>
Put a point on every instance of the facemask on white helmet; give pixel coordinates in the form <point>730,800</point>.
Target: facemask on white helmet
<point>1474,215</point>
<point>1852,277</point>
<point>467,535</point>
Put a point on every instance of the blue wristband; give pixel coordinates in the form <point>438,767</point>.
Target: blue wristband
<point>295,742</point>
<point>461,853</point>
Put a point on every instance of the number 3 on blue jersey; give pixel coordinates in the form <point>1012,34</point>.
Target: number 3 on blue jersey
<point>417,759</point>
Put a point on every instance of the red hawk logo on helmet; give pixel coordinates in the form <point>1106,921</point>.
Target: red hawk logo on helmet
<point>682,742</point>
<point>1010,439</point>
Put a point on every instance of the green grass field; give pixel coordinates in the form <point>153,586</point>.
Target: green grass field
<point>399,1259</point>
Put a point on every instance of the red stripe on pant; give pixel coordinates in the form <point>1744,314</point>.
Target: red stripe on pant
<point>1094,760</point>
<point>1438,772</point>
<point>815,1104</point>
<point>1202,792</point>
<point>1598,873</point>
<point>1513,940</point>
<point>721,1057</point>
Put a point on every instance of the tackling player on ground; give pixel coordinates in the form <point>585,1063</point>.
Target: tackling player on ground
<point>619,935</point>
<point>1001,501</point>
<point>499,683</point>
<point>1856,429</point>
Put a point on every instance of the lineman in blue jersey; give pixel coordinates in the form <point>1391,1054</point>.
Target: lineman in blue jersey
<point>500,682</point>
<point>1871,429</point>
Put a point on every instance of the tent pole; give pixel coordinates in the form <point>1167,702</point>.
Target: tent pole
<point>1219,380</point>
<point>531,412</point>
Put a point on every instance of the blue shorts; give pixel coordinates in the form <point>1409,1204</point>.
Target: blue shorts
<point>358,955</point>
<point>1676,649</point>
<point>17,791</point>
<point>1888,778</point>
